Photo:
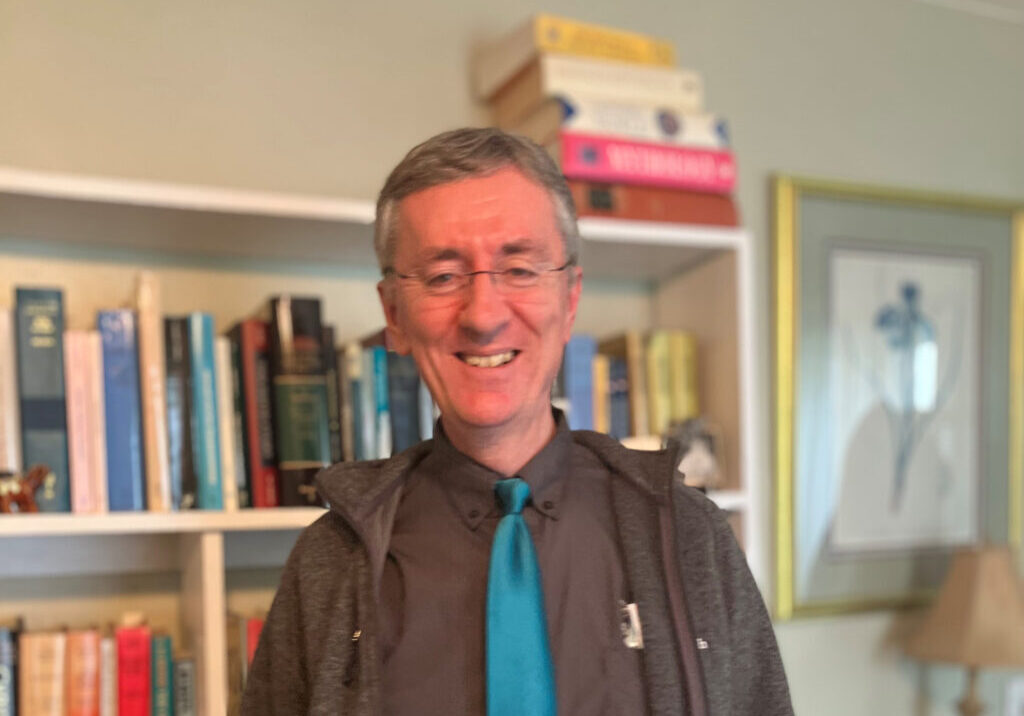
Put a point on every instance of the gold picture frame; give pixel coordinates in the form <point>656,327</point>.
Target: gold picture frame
<point>886,212</point>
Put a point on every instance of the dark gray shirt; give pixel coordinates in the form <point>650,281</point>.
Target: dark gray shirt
<point>434,586</point>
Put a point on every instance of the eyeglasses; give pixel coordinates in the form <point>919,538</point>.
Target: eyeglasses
<point>445,282</point>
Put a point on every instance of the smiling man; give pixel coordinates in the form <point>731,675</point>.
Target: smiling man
<point>509,565</point>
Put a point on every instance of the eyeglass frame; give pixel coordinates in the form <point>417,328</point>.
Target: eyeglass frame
<point>468,276</point>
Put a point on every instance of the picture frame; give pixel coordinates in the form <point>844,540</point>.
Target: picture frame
<point>898,389</point>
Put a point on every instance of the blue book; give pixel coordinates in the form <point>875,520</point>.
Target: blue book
<point>381,403</point>
<point>205,434</point>
<point>403,401</point>
<point>367,426</point>
<point>8,671</point>
<point>618,397</point>
<point>44,433</point>
<point>578,370</point>
<point>126,478</point>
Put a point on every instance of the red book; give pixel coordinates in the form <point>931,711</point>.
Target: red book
<point>253,628</point>
<point>252,338</point>
<point>651,203</point>
<point>133,671</point>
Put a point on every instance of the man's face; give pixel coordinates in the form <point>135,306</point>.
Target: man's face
<point>489,354</point>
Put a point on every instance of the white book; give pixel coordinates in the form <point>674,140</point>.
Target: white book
<point>368,406</point>
<point>226,421</point>
<point>108,676</point>
<point>76,398</point>
<point>153,393</point>
<point>97,419</point>
<point>426,417</point>
<point>10,423</point>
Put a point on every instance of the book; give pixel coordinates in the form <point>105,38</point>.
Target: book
<point>330,361</point>
<point>243,637</point>
<point>97,420</point>
<point>183,480</point>
<point>184,683</point>
<point>126,485</point>
<point>618,399</point>
<point>80,372</point>
<point>347,402</point>
<point>629,348</point>
<point>428,409</point>
<point>82,673</point>
<point>205,428</point>
<point>578,374</point>
<point>381,403</point>
<point>498,62</point>
<point>162,672</point>
<point>602,396</point>
<point>596,158</point>
<point>403,401</point>
<point>41,660</point>
<point>229,469</point>
<point>611,117</point>
<point>252,336</point>
<point>133,670</point>
<point>299,396</point>
<point>367,424</point>
<point>238,426</point>
<point>152,387</point>
<point>682,378</point>
<point>659,400</point>
<point>108,676</point>
<point>39,330</point>
<point>10,422</point>
<point>652,203</point>
<point>551,75</point>
<point>9,636</point>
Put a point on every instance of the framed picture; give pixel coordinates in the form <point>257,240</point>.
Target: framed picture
<point>899,389</point>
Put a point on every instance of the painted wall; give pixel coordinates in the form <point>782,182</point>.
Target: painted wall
<point>324,96</point>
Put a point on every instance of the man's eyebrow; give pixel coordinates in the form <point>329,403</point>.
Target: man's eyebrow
<point>520,246</point>
<point>442,254</point>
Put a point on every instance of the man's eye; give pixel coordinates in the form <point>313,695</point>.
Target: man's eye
<point>520,272</point>
<point>439,280</point>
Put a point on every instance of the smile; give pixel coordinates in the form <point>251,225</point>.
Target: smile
<point>492,361</point>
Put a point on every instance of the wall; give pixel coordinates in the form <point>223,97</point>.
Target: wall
<point>324,96</point>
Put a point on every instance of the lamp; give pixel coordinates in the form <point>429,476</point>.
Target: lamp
<point>977,620</point>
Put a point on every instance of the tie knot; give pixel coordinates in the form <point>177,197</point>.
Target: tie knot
<point>512,495</point>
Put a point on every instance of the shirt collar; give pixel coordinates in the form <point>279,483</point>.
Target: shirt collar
<point>470,485</point>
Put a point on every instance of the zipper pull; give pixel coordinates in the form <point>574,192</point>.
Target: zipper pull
<point>353,664</point>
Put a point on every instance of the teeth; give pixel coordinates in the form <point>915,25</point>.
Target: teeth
<point>489,361</point>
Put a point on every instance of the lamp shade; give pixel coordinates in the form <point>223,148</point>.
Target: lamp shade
<point>978,618</point>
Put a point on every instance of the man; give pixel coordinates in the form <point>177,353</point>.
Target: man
<point>508,566</point>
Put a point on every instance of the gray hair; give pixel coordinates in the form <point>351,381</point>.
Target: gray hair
<point>471,152</point>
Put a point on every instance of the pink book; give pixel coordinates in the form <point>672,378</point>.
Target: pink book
<point>76,386</point>
<point>609,159</point>
<point>97,421</point>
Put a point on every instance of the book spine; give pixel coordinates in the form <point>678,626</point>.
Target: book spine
<point>567,75</point>
<point>82,672</point>
<point>184,687</point>
<point>366,425</point>
<point>97,420</point>
<point>41,662</point>
<point>226,423</point>
<point>348,407</point>
<point>596,158</point>
<point>253,629</point>
<point>637,369</point>
<point>125,479</point>
<point>654,122</point>
<point>108,676</point>
<point>382,408</point>
<point>330,362</point>
<point>659,401</point>
<point>10,421</point>
<point>602,396</point>
<point>162,676</point>
<point>40,360</point>
<point>133,671</point>
<point>426,411</point>
<point>184,483</point>
<point>403,401</point>
<point>650,203</point>
<point>683,376</point>
<point>238,426</point>
<point>8,672</point>
<point>76,387</point>
<point>253,341</point>
<point>578,376</point>
<point>557,34</point>
<point>300,396</point>
<point>152,383</point>
<point>618,398</point>
<point>205,433</point>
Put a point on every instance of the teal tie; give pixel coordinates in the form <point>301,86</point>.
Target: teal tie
<point>520,676</point>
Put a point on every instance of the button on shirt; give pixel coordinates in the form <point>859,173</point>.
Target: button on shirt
<point>434,585</point>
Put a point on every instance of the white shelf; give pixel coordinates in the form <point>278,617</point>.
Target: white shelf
<point>129,523</point>
<point>211,222</point>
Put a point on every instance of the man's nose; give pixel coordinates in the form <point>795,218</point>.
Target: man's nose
<point>485,310</point>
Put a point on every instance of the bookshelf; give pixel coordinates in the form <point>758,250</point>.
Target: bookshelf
<point>224,251</point>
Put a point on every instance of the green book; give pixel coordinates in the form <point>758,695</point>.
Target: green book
<point>163,676</point>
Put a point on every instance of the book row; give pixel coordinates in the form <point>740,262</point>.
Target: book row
<point>129,670</point>
<point>628,128</point>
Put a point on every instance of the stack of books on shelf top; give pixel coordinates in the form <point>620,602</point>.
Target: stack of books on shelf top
<point>628,128</point>
<point>130,670</point>
<point>159,413</point>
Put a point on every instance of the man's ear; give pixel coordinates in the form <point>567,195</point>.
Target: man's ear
<point>573,299</point>
<point>397,340</point>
